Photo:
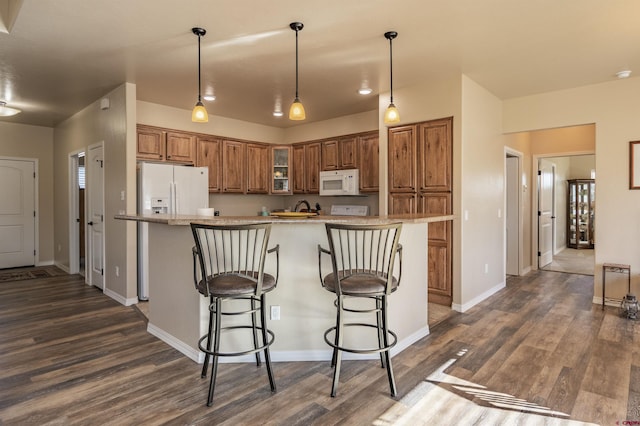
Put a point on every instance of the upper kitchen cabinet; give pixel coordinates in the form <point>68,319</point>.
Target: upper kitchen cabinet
<point>368,162</point>
<point>233,166</point>
<point>435,151</point>
<point>402,159</point>
<point>280,169</point>
<point>306,168</point>
<point>208,152</point>
<point>337,154</point>
<point>257,169</point>
<point>158,144</point>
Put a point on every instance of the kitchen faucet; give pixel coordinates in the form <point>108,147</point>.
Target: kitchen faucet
<point>302,202</point>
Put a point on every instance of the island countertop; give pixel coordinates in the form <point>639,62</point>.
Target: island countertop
<point>176,219</point>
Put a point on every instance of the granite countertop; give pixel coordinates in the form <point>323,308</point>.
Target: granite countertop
<point>170,219</point>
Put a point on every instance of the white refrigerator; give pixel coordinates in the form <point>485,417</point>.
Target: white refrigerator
<point>166,189</point>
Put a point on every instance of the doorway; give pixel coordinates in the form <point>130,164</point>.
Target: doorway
<point>77,222</point>
<point>95,215</point>
<point>513,247</point>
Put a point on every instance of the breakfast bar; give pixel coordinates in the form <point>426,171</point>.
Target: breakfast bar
<point>178,314</point>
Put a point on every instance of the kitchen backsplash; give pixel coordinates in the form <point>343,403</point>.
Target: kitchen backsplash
<point>251,204</point>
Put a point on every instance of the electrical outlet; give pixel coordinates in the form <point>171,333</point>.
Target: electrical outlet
<point>486,268</point>
<point>117,271</point>
<point>275,312</point>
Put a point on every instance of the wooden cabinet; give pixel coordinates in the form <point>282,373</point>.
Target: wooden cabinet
<point>581,201</point>
<point>257,169</point>
<point>208,152</point>
<point>233,166</point>
<point>420,181</point>
<point>306,168</point>
<point>402,159</point>
<point>281,169</point>
<point>338,154</point>
<point>161,145</point>
<point>368,162</point>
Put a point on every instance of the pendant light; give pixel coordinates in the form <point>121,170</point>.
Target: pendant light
<point>391,115</point>
<point>296,112</point>
<point>6,111</point>
<point>199,114</point>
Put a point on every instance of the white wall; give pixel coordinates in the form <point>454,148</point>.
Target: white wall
<point>614,107</point>
<point>562,171</point>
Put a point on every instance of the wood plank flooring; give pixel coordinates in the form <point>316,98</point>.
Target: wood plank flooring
<point>71,355</point>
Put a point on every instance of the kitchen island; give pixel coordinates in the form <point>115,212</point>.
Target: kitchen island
<point>178,314</point>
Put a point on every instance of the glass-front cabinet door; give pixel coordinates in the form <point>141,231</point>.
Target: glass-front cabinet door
<point>581,213</point>
<point>280,170</point>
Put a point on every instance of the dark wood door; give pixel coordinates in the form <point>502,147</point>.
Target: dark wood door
<point>402,159</point>
<point>258,176</point>
<point>368,162</point>
<point>233,170</point>
<point>208,155</point>
<point>298,169</point>
<point>434,152</point>
<point>312,166</point>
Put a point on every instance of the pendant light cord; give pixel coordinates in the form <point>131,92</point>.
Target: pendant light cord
<point>296,63</point>
<point>391,66</point>
<point>199,84</point>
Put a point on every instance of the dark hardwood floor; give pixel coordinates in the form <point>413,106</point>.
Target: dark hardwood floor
<point>71,355</point>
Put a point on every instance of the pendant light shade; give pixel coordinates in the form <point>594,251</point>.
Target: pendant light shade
<point>391,115</point>
<point>6,111</point>
<point>199,114</point>
<point>296,112</point>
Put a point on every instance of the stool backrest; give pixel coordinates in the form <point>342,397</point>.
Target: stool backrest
<point>364,249</point>
<point>231,250</point>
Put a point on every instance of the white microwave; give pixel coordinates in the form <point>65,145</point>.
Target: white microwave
<point>340,182</point>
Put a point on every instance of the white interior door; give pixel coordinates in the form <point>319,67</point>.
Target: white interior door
<point>545,212</point>
<point>512,216</point>
<point>17,213</point>
<point>95,228</point>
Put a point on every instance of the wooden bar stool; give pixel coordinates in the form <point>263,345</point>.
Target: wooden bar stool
<point>228,265</point>
<point>363,260</point>
<point>615,267</point>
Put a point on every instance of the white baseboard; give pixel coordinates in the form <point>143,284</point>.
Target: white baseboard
<point>45,263</point>
<point>525,271</point>
<point>470,304</point>
<point>118,298</point>
<point>63,267</point>
<point>280,356</point>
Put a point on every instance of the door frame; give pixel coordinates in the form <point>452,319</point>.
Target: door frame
<point>36,197</point>
<point>509,152</point>
<point>74,205</point>
<point>535,234</point>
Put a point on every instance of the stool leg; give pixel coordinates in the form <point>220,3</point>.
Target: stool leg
<point>392,382</point>
<point>335,341</point>
<point>255,331</point>
<point>337,352</point>
<point>265,339</point>
<point>216,350</point>
<point>380,329</point>
<point>205,365</point>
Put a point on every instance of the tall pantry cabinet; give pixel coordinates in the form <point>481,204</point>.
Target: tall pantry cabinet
<point>420,181</point>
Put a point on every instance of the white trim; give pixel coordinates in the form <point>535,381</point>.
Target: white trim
<point>74,206</point>
<point>63,267</point>
<point>118,298</point>
<point>281,356</point>
<point>520,156</point>
<point>470,304</point>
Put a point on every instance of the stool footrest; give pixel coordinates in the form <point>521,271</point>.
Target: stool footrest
<point>359,351</point>
<point>247,352</point>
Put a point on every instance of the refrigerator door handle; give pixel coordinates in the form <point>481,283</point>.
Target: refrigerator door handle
<point>175,198</point>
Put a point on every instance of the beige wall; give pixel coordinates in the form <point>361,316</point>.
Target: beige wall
<point>35,142</point>
<point>614,108</point>
<point>112,128</point>
<point>355,123</point>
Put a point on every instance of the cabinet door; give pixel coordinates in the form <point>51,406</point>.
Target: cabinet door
<point>280,170</point>
<point>233,176</point>
<point>298,169</point>
<point>368,163</point>
<point>208,155</point>
<point>329,155</point>
<point>181,148</point>
<point>439,247</point>
<point>348,153</point>
<point>435,142</point>
<point>150,144</point>
<point>312,167</point>
<point>257,169</point>
<point>402,159</point>
<point>402,203</point>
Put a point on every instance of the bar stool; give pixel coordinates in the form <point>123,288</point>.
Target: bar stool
<point>362,259</point>
<point>228,264</point>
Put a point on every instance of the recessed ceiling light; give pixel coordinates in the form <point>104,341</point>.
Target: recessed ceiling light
<point>365,91</point>
<point>623,74</point>
<point>6,111</point>
<point>278,113</point>
<point>209,98</point>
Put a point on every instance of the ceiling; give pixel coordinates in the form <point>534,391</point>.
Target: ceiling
<point>59,56</point>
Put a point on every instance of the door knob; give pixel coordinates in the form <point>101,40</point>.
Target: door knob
<point>90,223</point>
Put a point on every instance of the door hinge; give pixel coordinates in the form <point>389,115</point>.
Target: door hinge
<point>101,271</point>
<point>539,213</point>
<point>34,175</point>
<point>34,213</point>
<point>539,172</point>
<point>101,218</point>
<point>539,254</point>
<point>34,252</point>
